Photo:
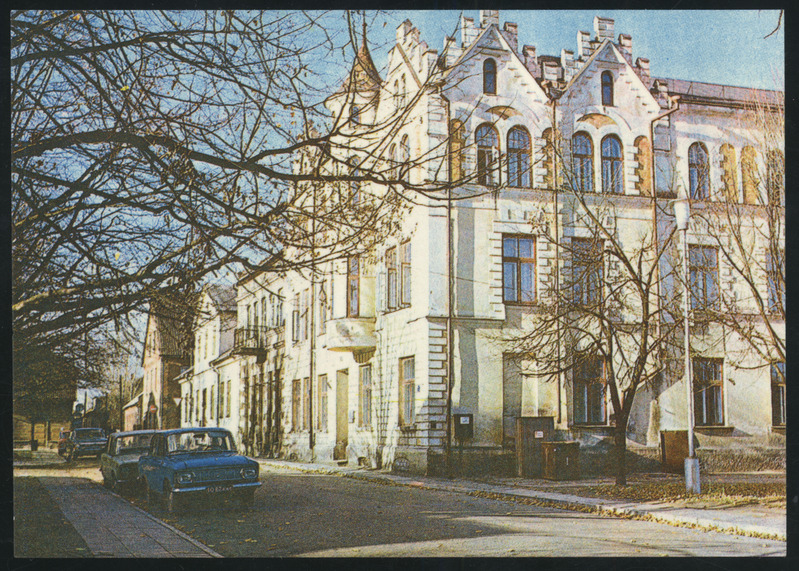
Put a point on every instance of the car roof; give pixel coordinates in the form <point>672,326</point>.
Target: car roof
<point>193,429</point>
<point>89,428</point>
<point>133,433</point>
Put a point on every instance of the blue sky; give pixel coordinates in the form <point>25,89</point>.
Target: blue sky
<point>726,47</point>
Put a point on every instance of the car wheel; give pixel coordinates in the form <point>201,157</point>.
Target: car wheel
<point>173,503</point>
<point>106,482</point>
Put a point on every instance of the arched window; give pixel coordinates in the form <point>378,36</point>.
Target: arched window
<point>775,177</point>
<point>518,158</point>
<point>405,157</point>
<point>355,186</point>
<point>489,76</point>
<point>355,115</point>
<point>487,154</point>
<point>402,92</point>
<point>396,94</point>
<point>644,170</point>
<point>729,172</point>
<point>583,155</point>
<point>392,161</point>
<point>749,175</point>
<point>607,88</point>
<point>698,170</point>
<point>456,136</point>
<point>612,174</point>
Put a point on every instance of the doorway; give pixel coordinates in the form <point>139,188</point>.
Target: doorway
<point>342,422</point>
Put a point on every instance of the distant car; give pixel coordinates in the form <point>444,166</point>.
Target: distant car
<point>63,436</point>
<point>119,464</point>
<point>196,462</point>
<point>85,442</point>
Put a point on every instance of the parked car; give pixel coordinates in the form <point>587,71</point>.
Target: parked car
<point>85,442</point>
<point>119,464</point>
<point>198,462</point>
<point>63,436</point>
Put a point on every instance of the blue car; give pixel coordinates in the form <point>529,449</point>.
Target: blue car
<point>196,462</point>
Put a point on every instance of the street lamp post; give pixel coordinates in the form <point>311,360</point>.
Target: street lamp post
<point>682,214</point>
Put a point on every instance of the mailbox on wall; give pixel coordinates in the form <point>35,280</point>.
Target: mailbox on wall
<point>464,426</point>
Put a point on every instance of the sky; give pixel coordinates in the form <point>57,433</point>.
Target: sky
<point>726,47</point>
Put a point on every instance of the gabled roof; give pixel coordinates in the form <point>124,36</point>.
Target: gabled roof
<point>506,46</point>
<point>223,297</point>
<point>698,92</point>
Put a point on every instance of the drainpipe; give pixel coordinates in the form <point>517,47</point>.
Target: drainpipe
<point>555,198</point>
<point>218,390</point>
<point>655,238</point>
<point>450,288</point>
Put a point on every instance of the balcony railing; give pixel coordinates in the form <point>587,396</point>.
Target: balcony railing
<point>250,340</point>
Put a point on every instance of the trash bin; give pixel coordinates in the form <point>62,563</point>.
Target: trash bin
<point>561,460</point>
<point>34,445</point>
<point>673,450</point>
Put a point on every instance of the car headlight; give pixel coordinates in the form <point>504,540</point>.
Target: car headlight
<point>249,472</point>
<point>185,478</point>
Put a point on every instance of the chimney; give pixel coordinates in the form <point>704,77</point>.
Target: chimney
<point>512,35</point>
<point>468,32</point>
<point>583,45</point>
<point>451,50</point>
<point>488,17</point>
<point>567,63</point>
<point>626,47</point>
<point>603,28</point>
<point>550,71</point>
<point>642,67</point>
<point>529,60</point>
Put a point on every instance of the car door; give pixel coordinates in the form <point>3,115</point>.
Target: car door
<point>152,463</point>
<point>105,465</point>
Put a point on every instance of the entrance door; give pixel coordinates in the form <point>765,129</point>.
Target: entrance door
<point>342,407</point>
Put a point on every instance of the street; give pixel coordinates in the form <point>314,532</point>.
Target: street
<point>320,515</point>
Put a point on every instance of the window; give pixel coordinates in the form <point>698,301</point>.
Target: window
<point>487,154</point>
<point>391,271</point>
<point>490,76</point>
<point>306,403</point>
<point>405,157</point>
<point>518,269</point>
<point>365,396</point>
<point>589,392</point>
<point>402,91</point>
<point>778,402</point>
<point>749,175</point>
<point>323,307</point>
<point>583,156</point>
<point>295,319</point>
<point>607,88</point>
<point>353,286</point>
<point>296,404</point>
<point>227,401</point>
<point>321,408</point>
<point>643,171</point>
<point>456,142</point>
<point>703,267</point>
<point>729,172</point>
<point>708,392</point>
<point>775,177</point>
<point>392,162</point>
<point>698,172</point>
<point>405,274</point>
<point>587,271</point>
<point>396,94</point>
<point>612,174</point>
<point>775,272</point>
<point>518,158</point>
<point>355,115</point>
<point>407,391</point>
<point>354,186</point>
<point>304,316</point>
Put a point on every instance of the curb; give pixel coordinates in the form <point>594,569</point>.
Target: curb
<point>551,501</point>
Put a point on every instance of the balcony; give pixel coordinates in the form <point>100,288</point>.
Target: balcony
<point>250,340</point>
<point>351,334</point>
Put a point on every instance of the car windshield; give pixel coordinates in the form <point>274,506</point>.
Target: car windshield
<point>132,443</point>
<point>200,441</point>
<point>89,434</point>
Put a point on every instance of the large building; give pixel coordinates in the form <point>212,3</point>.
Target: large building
<point>559,170</point>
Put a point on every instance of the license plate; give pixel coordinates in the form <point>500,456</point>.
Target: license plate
<point>217,489</point>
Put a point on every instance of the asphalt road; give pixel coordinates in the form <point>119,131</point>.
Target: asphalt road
<point>299,514</point>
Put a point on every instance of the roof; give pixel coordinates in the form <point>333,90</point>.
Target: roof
<point>134,401</point>
<point>700,92</point>
<point>133,432</point>
<point>223,296</point>
<point>191,429</point>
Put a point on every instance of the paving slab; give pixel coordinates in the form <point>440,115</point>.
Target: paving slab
<point>96,514</point>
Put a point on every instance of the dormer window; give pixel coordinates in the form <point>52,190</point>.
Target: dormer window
<point>607,88</point>
<point>490,76</point>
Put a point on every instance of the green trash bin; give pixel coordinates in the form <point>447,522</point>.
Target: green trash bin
<point>561,460</point>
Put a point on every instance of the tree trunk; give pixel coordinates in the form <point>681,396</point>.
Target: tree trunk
<point>621,453</point>
<point>33,434</point>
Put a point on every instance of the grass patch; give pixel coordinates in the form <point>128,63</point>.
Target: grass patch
<point>770,494</point>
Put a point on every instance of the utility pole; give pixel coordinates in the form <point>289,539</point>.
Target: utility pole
<point>121,404</point>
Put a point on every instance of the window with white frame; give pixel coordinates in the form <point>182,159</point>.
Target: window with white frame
<point>518,269</point>
<point>407,374</point>
<point>365,396</point>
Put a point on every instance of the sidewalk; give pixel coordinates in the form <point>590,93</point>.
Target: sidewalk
<point>109,525</point>
<point>760,521</point>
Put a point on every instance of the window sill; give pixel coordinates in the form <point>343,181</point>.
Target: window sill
<point>395,309</point>
<point>520,303</point>
<point>778,429</point>
<point>408,428</point>
<point>715,430</point>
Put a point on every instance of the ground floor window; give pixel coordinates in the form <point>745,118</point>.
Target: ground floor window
<point>589,392</point>
<point>778,394</point>
<point>365,396</point>
<point>321,408</point>
<point>296,390</point>
<point>407,391</point>
<point>708,392</point>
<point>306,403</point>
